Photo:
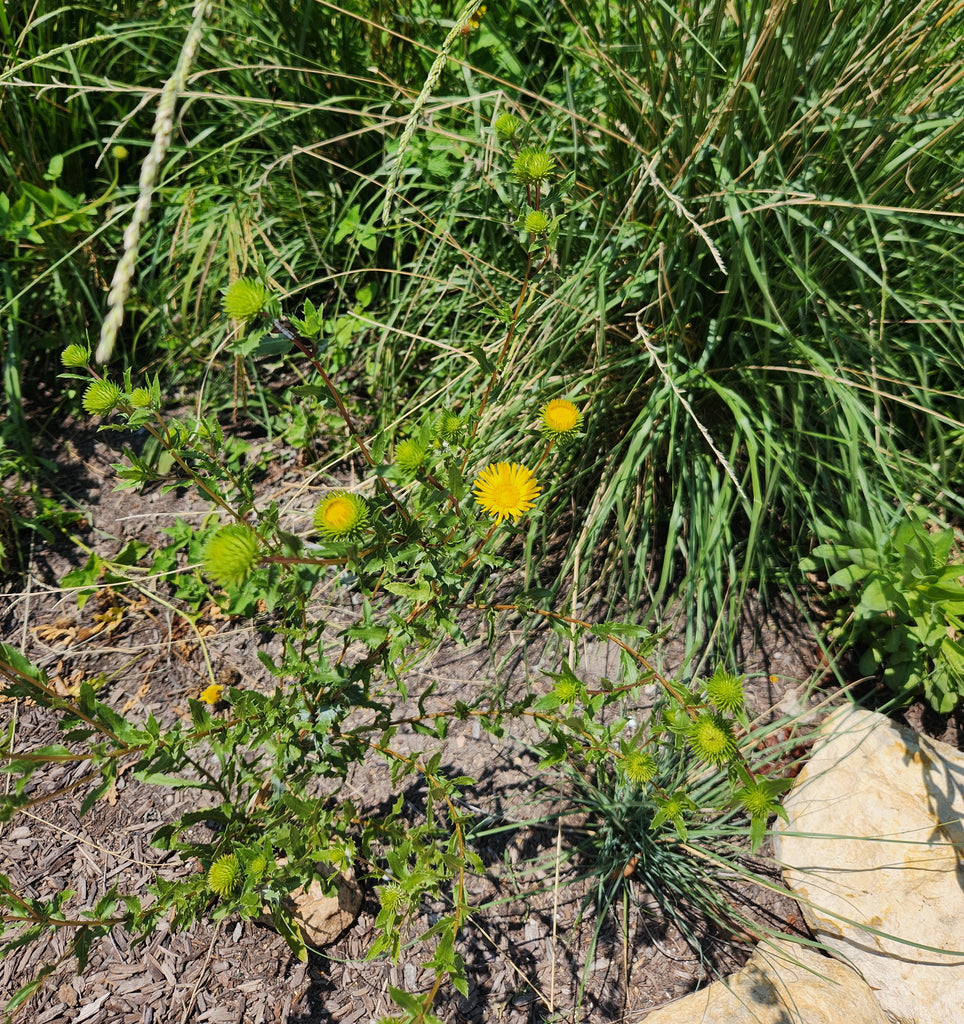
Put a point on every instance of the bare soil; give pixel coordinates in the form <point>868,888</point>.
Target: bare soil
<point>530,950</point>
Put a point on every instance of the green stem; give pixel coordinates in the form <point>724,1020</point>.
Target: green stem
<point>306,348</point>
<point>510,334</point>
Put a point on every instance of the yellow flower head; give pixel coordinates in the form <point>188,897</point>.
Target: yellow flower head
<point>342,515</point>
<point>211,694</point>
<point>474,21</point>
<point>560,419</point>
<point>506,490</point>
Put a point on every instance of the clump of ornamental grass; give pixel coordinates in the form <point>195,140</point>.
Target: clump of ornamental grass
<point>678,815</point>
<point>710,287</point>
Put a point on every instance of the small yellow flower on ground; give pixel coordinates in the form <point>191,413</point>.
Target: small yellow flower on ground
<point>506,490</point>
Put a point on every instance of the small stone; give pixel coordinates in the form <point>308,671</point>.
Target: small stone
<point>66,994</point>
<point>323,918</point>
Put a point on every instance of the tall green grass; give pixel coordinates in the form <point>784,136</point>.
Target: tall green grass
<point>760,294</point>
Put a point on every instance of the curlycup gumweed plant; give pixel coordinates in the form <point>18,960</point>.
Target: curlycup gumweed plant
<point>506,490</point>
<point>560,420</point>
<point>270,760</point>
<point>342,516</point>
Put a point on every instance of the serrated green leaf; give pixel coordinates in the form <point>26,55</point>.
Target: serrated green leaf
<point>420,592</point>
<point>28,990</point>
<point>406,1000</point>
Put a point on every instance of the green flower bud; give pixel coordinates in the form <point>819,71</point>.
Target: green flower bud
<point>506,126</point>
<point>450,428</point>
<point>567,690</point>
<point>533,166</point>
<point>231,554</point>
<point>101,397</point>
<point>725,691</point>
<point>536,222</point>
<point>409,455</point>
<point>674,807</point>
<point>758,801</point>
<point>75,355</point>
<point>244,299</point>
<point>712,740</point>
<point>639,766</point>
<point>141,398</point>
<point>224,875</point>
<point>393,898</point>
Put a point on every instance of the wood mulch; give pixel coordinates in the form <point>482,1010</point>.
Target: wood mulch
<point>533,951</point>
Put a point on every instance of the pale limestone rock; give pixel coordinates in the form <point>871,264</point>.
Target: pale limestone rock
<point>883,813</point>
<point>323,918</point>
<point>782,983</point>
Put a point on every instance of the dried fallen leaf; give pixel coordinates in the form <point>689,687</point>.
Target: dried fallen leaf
<point>63,631</point>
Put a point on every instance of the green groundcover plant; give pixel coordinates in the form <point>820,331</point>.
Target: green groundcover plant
<point>417,544</point>
<point>902,609</point>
